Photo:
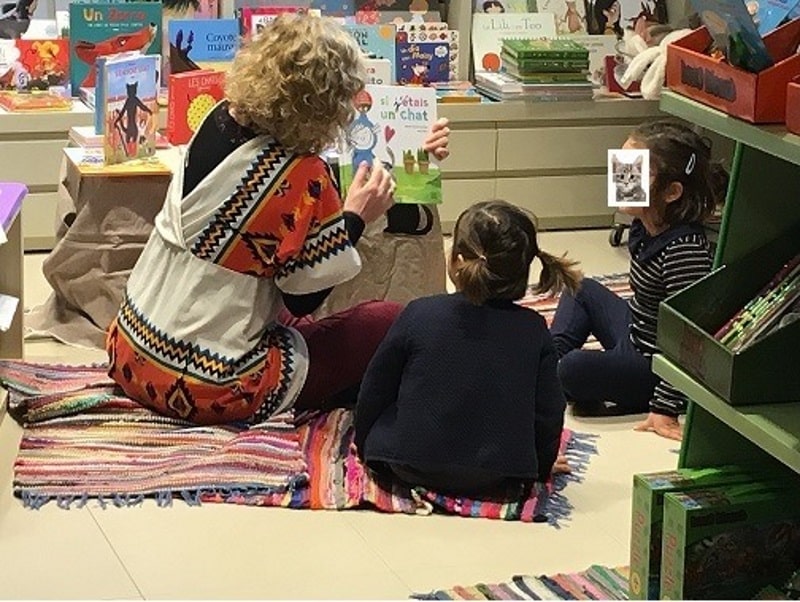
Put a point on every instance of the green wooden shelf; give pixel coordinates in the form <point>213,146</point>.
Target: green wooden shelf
<point>775,428</point>
<point>772,139</point>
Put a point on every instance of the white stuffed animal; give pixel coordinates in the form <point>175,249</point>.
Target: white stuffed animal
<point>650,65</point>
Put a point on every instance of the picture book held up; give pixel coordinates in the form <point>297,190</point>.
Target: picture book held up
<point>391,126</point>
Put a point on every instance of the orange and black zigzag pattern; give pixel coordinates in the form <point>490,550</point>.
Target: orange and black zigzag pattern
<point>329,240</point>
<point>263,174</point>
<point>173,354</point>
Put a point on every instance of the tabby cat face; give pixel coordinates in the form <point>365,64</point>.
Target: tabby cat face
<point>627,176</point>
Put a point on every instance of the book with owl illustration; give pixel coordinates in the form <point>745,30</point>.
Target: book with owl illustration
<point>27,65</point>
<point>489,31</point>
<point>391,125</point>
<point>192,95</point>
<point>202,44</point>
<point>131,114</point>
<point>104,28</point>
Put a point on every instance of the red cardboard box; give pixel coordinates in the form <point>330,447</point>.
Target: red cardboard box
<point>754,97</point>
<point>793,107</point>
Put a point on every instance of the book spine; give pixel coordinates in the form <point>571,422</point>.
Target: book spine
<point>673,546</point>
<point>640,541</point>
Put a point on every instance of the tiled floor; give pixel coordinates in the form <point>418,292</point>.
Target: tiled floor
<point>228,552</point>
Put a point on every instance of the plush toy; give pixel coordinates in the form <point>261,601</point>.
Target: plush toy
<point>649,65</point>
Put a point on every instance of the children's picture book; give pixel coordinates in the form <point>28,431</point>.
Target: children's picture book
<point>99,102</point>
<point>417,34</point>
<point>252,19</point>
<point>335,8</point>
<point>376,41</point>
<point>202,44</point>
<point>34,102</point>
<point>770,13</point>
<point>422,63</point>
<point>192,95</point>
<point>734,33</point>
<point>101,29</point>
<point>570,15</point>
<point>398,11</point>
<point>380,72</point>
<point>33,64</point>
<point>131,91</point>
<point>391,126</point>
<point>91,162</point>
<point>506,6</point>
<point>599,48</point>
<point>182,10</point>
<point>489,31</point>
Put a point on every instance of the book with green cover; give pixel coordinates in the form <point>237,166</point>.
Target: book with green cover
<point>545,48</point>
<point>648,514</point>
<point>547,78</point>
<point>525,66</point>
<point>729,542</point>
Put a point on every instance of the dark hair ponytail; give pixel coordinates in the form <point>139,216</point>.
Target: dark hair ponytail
<point>493,246</point>
<point>558,273</point>
<point>719,178</point>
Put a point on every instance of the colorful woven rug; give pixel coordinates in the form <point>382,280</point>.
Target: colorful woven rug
<point>596,583</point>
<point>83,441</point>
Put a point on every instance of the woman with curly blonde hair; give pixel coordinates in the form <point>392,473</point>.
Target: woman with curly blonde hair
<point>252,224</point>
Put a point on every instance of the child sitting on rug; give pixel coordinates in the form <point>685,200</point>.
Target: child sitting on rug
<point>462,395</point>
<point>669,251</point>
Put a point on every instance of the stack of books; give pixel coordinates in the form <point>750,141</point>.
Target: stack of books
<point>539,69</point>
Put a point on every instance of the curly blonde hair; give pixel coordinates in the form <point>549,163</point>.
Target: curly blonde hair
<point>296,81</point>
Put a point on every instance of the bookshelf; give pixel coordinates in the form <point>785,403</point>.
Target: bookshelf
<point>762,205</point>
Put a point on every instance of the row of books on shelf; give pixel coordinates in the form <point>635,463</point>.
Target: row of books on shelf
<point>717,533</point>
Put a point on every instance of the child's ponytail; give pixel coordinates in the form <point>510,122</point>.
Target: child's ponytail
<point>558,273</point>
<point>473,277</point>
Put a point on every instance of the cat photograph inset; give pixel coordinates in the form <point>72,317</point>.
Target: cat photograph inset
<point>628,178</point>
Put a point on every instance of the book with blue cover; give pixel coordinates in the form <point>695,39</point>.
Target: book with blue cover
<point>335,8</point>
<point>105,28</point>
<point>423,63</point>
<point>99,102</point>
<point>196,44</point>
<point>377,41</point>
<point>131,110</point>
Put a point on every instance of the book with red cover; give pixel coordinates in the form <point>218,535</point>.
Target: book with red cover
<point>191,96</point>
<point>33,64</point>
<point>253,18</point>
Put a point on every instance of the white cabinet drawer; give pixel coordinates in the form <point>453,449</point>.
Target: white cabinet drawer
<point>558,147</point>
<point>35,163</point>
<point>471,151</point>
<point>460,194</point>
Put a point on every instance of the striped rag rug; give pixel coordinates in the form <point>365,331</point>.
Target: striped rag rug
<point>596,583</point>
<point>82,440</point>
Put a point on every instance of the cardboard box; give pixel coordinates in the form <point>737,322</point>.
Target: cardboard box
<point>754,97</point>
<point>793,106</point>
<point>648,514</point>
<point>763,372</point>
<point>727,543</point>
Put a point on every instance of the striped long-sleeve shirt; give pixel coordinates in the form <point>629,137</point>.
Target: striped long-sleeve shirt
<point>660,267</point>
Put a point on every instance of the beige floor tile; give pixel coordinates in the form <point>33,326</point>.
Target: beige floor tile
<point>37,289</point>
<point>225,551</point>
<point>52,553</point>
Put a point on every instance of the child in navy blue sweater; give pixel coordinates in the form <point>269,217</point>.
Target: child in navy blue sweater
<point>462,396</point>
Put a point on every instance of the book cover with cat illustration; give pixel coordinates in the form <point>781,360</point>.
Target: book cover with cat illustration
<point>421,63</point>
<point>202,44</point>
<point>29,64</point>
<point>489,31</point>
<point>104,28</point>
<point>99,104</point>
<point>628,177</point>
<point>391,126</point>
<point>131,92</point>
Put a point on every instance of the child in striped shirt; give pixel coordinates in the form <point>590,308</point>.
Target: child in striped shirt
<point>669,251</point>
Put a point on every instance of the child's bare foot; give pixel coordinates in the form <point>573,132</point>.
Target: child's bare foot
<point>664,426</point>
<point>561,466</point>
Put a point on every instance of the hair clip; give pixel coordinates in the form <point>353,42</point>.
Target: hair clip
<point>482,258</point>
<point>690,165</point>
